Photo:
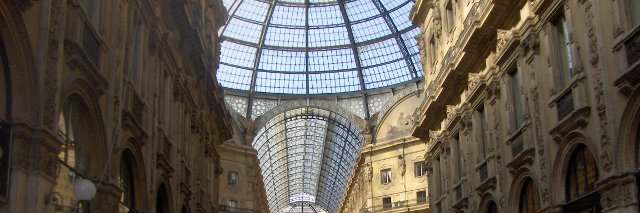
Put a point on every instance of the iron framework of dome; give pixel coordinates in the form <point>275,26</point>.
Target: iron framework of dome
<point>311,47</point>
<point>362,52</point>
<point>306,157</point>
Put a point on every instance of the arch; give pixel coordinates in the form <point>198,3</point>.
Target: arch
<point>87,141</point>
<point>629,135</point>
<point>185,208</point>
<point>487,204</point>
<point>131,156</point>
<point>163,199</point>
<point>22,77</point>
<point>302,152</point>
<point>569,144</point>
<point>392,103</point>
<point>581,163</point>
<point>522,177</point>
<point>261,120</point>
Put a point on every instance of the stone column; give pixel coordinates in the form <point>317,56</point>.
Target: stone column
<point>34,167</point>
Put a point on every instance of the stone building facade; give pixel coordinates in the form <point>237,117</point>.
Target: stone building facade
<point>390,172</point>
<point>531,105</point>
<point>241,187</point>
<point>106,91</point>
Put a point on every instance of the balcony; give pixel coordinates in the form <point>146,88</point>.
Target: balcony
<point>628,49</point>
<point>226,208</point>
<point>399,206</point>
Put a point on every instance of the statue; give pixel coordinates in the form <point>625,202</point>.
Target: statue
<point>401,165</point>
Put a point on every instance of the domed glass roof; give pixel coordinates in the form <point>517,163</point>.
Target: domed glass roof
<point>308,47</point>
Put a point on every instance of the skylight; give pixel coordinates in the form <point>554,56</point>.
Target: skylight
<point>307,155</point>
<point>311,47</point>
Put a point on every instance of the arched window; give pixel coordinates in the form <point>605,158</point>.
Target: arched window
<point>127,180</point>
<point>491,207</point>
<point>162,200</point>
<point>582,174</point>
<point>529,199</point>
<point>75,130</point>
<point>5,126</point>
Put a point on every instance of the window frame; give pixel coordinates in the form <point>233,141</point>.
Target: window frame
<point>230,178</point>
<point>387,205</point>
<point>515,93</point>
<point>450,15</point>
<point>386,177</point>
<point>583,155</point>
<point>482,128</point>
<point>422,166</point>
<point>421,199</point>
<point>563,61</point>
<point>529,195</point>
<point>457,148</point>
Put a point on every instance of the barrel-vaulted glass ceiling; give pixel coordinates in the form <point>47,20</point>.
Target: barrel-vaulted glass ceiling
<point>308,47</point>
<point>306,156</point>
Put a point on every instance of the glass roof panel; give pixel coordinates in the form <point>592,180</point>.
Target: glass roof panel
<point>289,16</point>
<point>285,83</point>
<point>311,44</point>
<point>242,54</point>
<point>328,36</point>
<point>250,32</point>
<point>234,77</point>
<point>400,14</point>
<point>370,29</point>
<point>381,52</point>
<point>306,155</point>
<point>386,74</point>
<point>325,15</point>
<point>391,4</point>
<point>359,10</point>
<point>333,82</point>
<point>253,10</point>
<point>285,37</point>
<point>282,61</point>
<point>331,60</point>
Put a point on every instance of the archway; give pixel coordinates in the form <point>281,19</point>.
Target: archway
<point>162,200</point>
<point>306,155</point>
<point>580,182</point>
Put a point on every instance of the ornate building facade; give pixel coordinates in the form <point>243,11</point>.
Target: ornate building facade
<point>105,91</point>
<point>390,173</point>
<point>530,105</point>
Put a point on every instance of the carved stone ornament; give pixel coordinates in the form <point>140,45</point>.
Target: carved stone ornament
<point>22,4</point>
<point>51,79</point>
<point>369,172</point>
<point>503,38</point>
<point>530,46</point>
<point>401,165</point>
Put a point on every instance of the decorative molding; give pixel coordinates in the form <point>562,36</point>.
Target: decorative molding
<point>55,35</point>
<point>281,108</point>
<point>577,119</point>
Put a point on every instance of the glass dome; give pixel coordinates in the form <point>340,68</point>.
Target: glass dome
<point>310,47</point>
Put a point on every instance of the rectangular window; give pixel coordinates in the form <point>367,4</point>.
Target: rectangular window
<point>517,100</point>
<point>634,11</point>
<point>437,173</point>
<point>232,178</point>
<point>432,50</point>
<point>420,168</point>
<point>386,203</point>
<point>563,47</point>
<point>233,206</point>
<point>450,13</point>
<point>385,176</point>
<point>457,156</point>
<point>421,197</point>
<point>482,128</point>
